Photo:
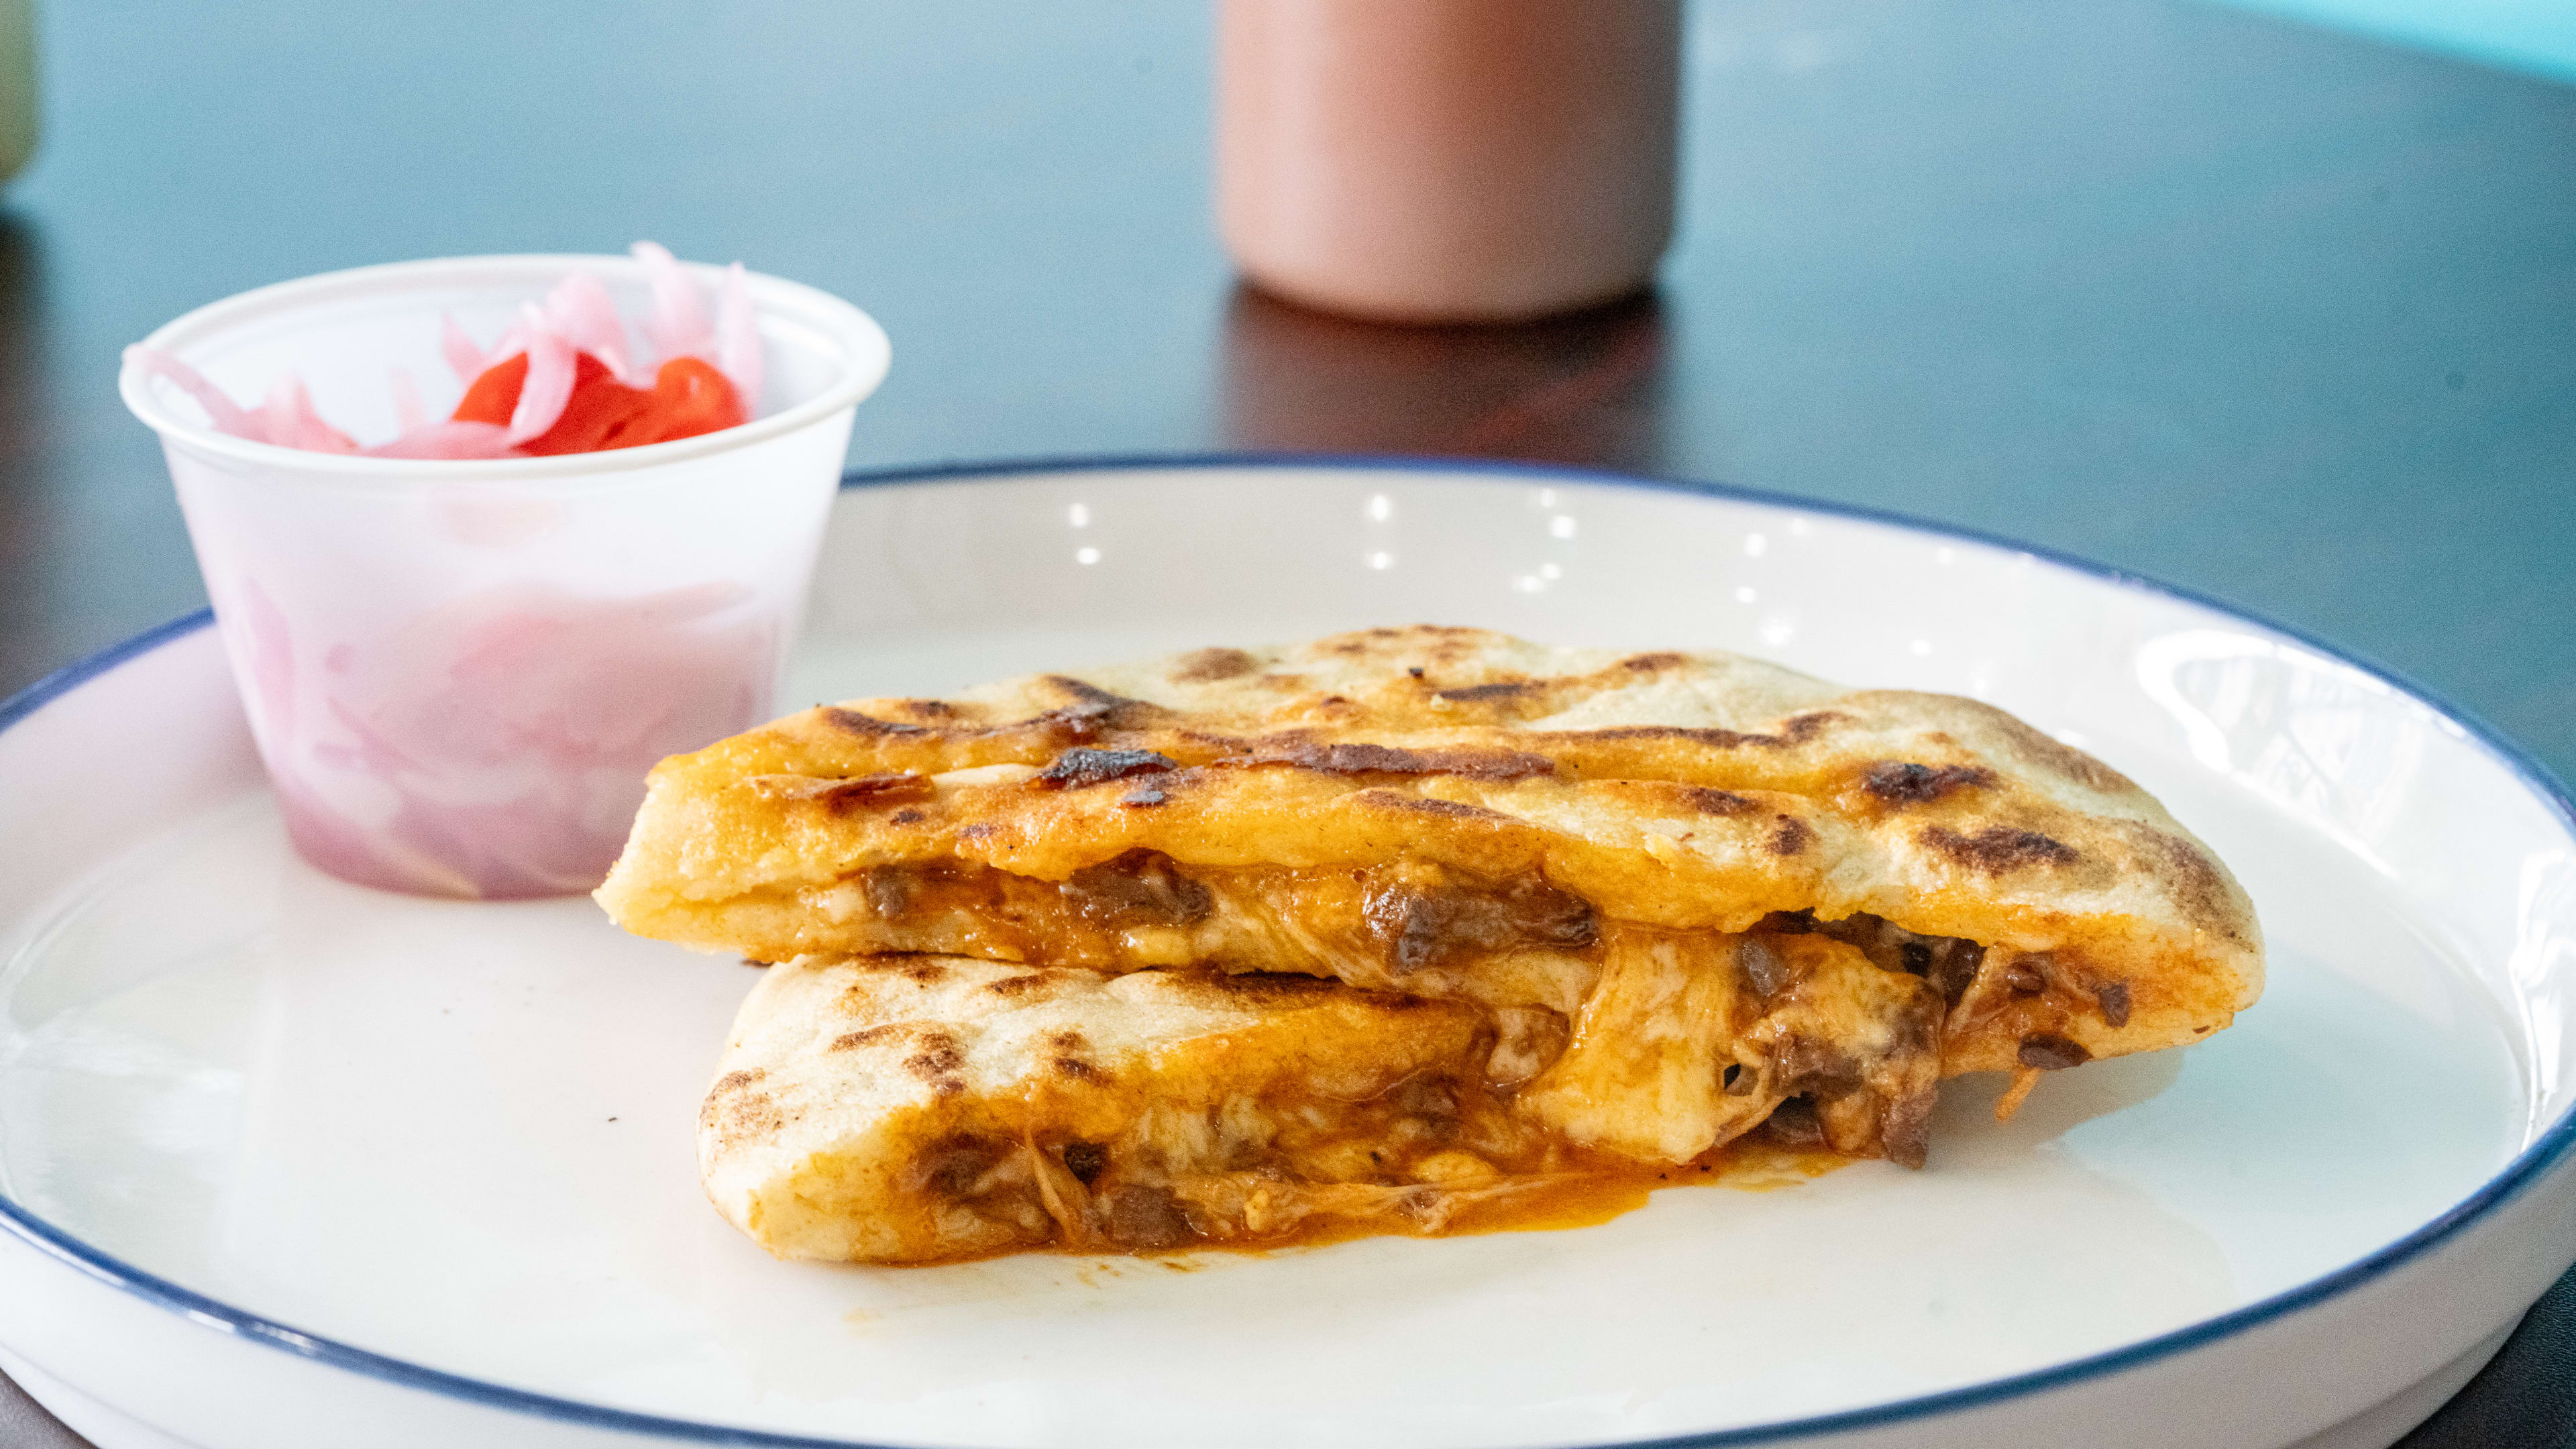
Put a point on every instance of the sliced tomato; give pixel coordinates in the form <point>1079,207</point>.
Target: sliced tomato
<point>688,397</point>
<point>494,393</point>
<point>595,416</point>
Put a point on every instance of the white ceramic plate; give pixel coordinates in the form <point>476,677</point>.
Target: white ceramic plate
<point>285,1162</point>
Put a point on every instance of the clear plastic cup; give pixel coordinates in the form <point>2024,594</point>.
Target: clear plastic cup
<point>458,672</point>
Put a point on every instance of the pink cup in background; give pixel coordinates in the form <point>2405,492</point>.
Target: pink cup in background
<point>458,672</point>
<point>1447,160</point>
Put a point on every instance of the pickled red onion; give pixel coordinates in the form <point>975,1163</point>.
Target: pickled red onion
<point>548,385</point>
<point>738,338</point>
<point>407,401</point>
<point>678,326</point>
<point>581,314</point>
<point>462,355</point>
<point>448,440</point>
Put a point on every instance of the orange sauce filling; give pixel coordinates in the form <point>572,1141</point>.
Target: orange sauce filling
<point>1611,1188</point>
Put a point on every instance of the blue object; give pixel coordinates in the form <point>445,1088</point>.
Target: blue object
<point>2531,35</point>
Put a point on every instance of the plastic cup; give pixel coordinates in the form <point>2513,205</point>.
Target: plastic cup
<point>458,672</point>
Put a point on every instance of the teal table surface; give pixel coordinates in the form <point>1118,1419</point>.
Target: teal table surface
<point>2534,35</point>
<point>2280,312</point>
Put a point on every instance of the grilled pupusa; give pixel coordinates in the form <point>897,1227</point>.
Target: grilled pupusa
<point>1657,849</point>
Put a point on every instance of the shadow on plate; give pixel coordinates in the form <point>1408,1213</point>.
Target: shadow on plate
<point>2063,1101</point>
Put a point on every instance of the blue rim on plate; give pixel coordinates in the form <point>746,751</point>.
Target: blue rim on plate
<point>2544,1153</point>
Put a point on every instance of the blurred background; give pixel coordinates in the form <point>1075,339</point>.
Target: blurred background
<point>2198,290</point>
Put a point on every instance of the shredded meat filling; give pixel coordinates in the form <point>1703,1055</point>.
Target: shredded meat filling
<point>1144,1218</point>
<point>1948,962</point>
<point>1412,918</point>
<point>1085,1160</point>
<point>1416,1152</point>
<point>1428,918</point>
<point>1373,927</point>
<point>1140,888</point>
<point>1794,1124</point>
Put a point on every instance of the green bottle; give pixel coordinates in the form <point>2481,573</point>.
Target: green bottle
<point>17,85</point>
